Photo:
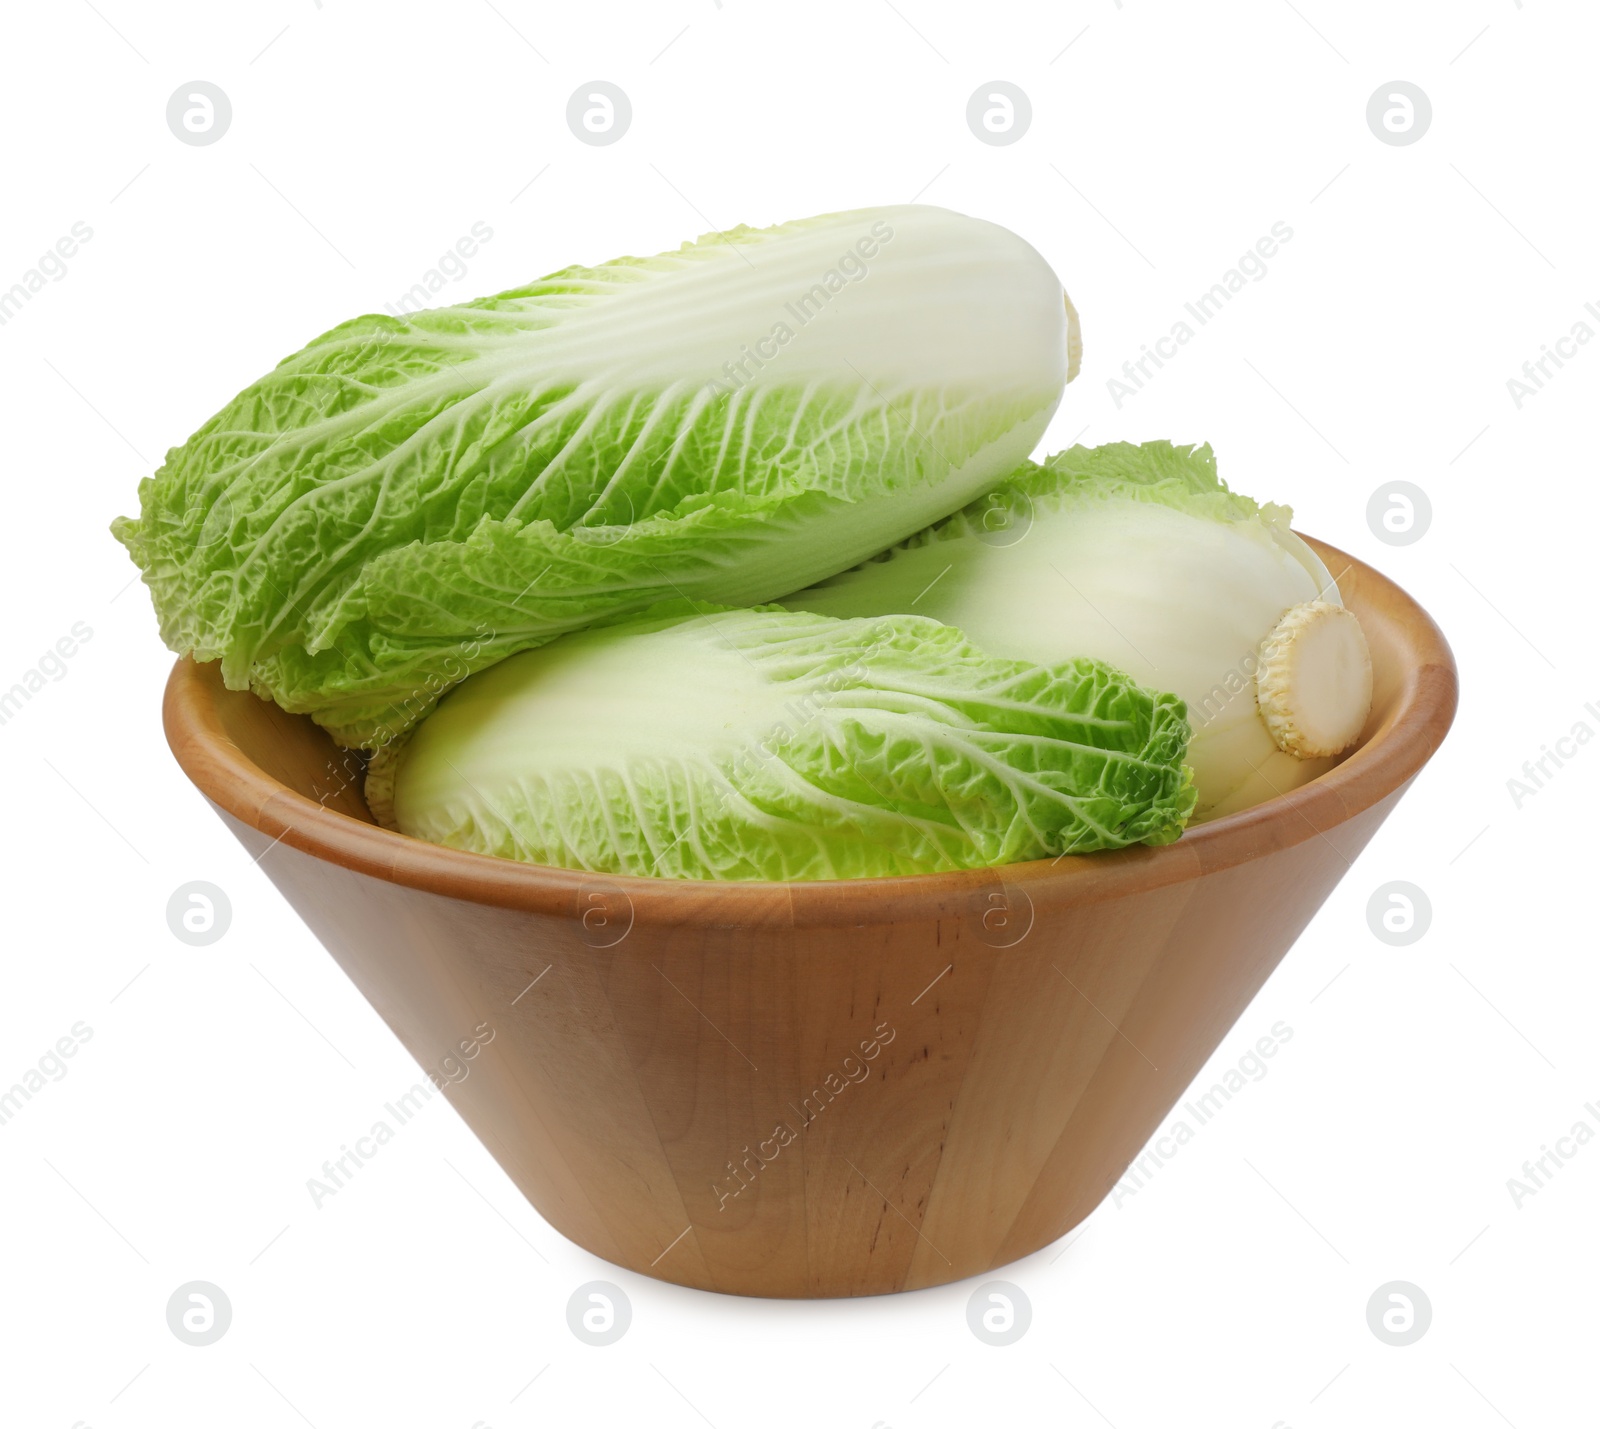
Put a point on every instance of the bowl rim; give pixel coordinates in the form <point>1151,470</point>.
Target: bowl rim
<point>1376,771</point>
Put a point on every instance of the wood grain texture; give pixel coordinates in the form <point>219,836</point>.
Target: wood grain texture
<point>816,1089</point>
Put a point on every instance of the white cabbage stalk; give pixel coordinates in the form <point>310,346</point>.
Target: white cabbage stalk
<point>1141,557</point>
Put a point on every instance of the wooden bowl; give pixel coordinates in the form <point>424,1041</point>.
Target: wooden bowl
<point>814,1089</point>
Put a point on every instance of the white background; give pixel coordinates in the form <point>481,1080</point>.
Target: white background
<point>1166,139</point>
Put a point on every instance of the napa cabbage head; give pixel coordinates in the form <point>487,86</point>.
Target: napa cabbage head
<point>1139,555</point>
<point>411,498</point>
<point>765,744</point>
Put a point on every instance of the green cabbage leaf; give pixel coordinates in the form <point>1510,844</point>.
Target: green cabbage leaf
<point>409,499</point>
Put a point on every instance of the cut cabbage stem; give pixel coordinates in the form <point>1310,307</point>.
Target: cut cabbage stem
<point>1314,680</point>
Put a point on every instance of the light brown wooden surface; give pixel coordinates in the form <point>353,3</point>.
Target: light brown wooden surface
<point>1040,1021</point>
